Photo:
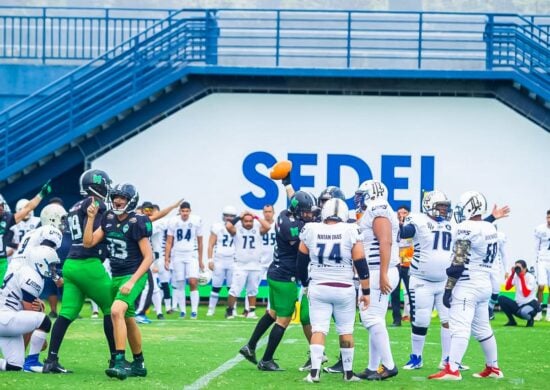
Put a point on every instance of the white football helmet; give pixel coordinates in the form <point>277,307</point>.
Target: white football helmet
<point>20,205</point>
<point>436,204</point>
<point>53,215</point>
<point>335,210</point>
<point>43,260</point>
<point>229,211</point>
<point>205,277</point>
<point>367,192</point>
<point>471,203</point>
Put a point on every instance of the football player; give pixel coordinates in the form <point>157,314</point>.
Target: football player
<point>468,287</point>
<point>542,250</point>
<point>221,256</point>
<point>7,220</point>
<point>184,254</point>
<point>83,271</point>
<point>331,249</point>
<point>247,231</point>
<point>281,279</point>
<point>21,311</point>
<point>379,228</point>
<point>28,223</point>
<point>129,250</point>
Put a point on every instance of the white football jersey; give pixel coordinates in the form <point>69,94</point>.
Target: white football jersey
<point>330,250</point>
<point>185,233</point>
<point>224,241</point>
<point>20,283</point>
<point>432,247</point>
<point>268,245</point>
<point>484,248</point>
<point>23,227</point>
<point>378,209</point>
<point>248,245</point>
<point>501,258</point>
<point>158,237</point>
<point>33,239</point>
<point>542,242</point>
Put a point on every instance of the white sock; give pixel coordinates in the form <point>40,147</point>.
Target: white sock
<point>382,341</point>
<point>406,305</point>
<point>38,338</point>
<point>157,302</point>
<point>179,294</point>
<point>95,308</point>
<point>168,304</point>
<point>417,344</point>
<point>489,347</point>
<point>3,363</point>
<point>142,298</point>
<point>347,358</point>
<point>316,354</point>
<point>246,303</point>
<point>195,301</point>
<point>214,296</point>
<point>459,345</point>
<point>374,356</point>
<point>445,343</point>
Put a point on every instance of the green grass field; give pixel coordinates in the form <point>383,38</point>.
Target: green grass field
<point>178,353</point>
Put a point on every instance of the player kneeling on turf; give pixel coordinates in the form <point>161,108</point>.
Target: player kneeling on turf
<point>22,312</point>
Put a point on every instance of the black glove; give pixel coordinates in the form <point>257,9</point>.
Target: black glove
<point>45,190</point>
<point>447,296</point>
<point>286,180</point>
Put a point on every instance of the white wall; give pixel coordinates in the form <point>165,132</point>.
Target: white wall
<point>479,144</point>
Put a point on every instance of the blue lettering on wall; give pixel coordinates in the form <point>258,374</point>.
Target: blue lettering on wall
<point>335,162</point>
<point>252,175</point>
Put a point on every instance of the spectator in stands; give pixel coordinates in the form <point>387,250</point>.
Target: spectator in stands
<point>525,305</point>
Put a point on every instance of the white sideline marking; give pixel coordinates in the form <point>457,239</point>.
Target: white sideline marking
<point>228,365</point>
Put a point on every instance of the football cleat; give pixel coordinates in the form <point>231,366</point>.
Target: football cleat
<point>490,372</point>
<point>249,354</point>
<point>461,367</point>
<point>268,365</point>
<point>538,317</point>
<point>182,315</point>
<point>160,316</point>
<point>252,315</point>
<point>337,368</point>
<point>32,364</point>
<point>193,315</point>
<point>311,379</point>
<point>95,315</point>
<point>365,373</point>
<point>351,377</point>
<point>142,319</point>
<point>52,366</point>
<point>447,374</point>
<point>119,370</point>
<point>307,364</point>
<point>210,313</point>
<point>383,373</point>
<point>137,368</point>
<point>415,362</point>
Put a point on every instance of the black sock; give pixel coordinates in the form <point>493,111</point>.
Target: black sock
<point>275,337</point>
<point>138,356</point>
<point>261,327</point>
<point>58,333</point>
<point>109,333</point>
<point>314,373</point>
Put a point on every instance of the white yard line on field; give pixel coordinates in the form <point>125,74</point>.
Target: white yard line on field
<point>228,365</point>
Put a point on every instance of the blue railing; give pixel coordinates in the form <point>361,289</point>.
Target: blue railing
<point>51,34</point>
<point>268,42</point>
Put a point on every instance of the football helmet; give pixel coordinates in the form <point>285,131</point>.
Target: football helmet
<point>367,192</point>
<point>53,215</point>
<point>436,204</point>
<point>335,209</point>
<point>329,193</point>
<point>43,260</point>
<point>471,203</point>
<point>301,206</point>
<point>205,276</point>
<point>127,191</point>
<point>95,182</point>
<point>229,212</point>
<point>20,205</point>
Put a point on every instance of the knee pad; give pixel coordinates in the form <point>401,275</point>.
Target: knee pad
<point>419,331</point>
<point>422,318</point>
<point>216,289</point>
<point>368,320</point>
<point>46,324</point>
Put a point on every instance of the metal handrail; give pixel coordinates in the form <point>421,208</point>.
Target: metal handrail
<point>270,40</point>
